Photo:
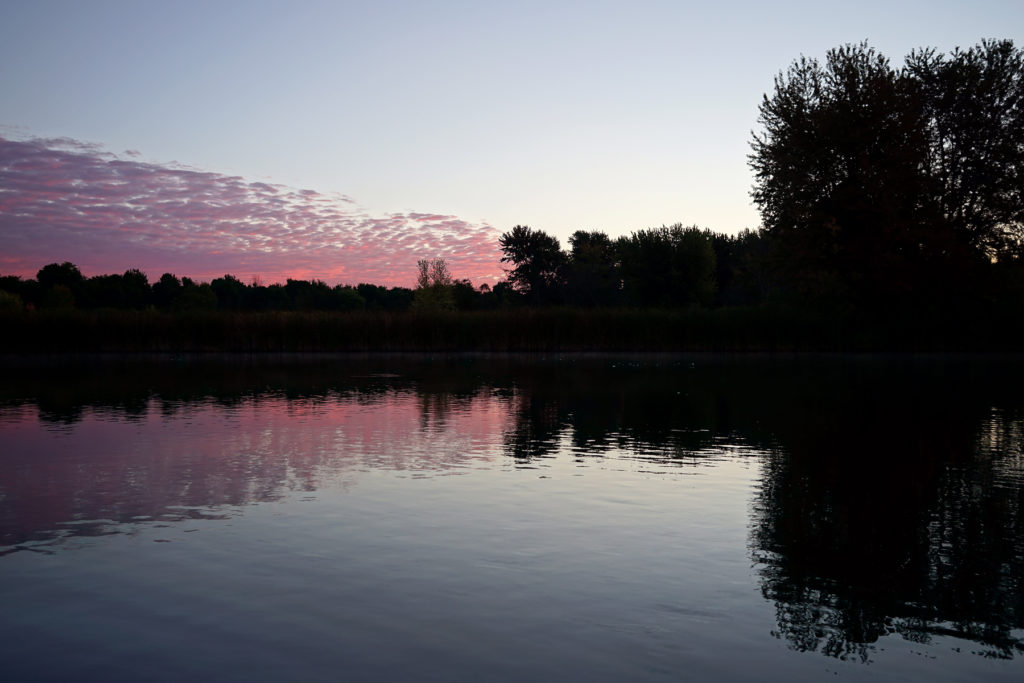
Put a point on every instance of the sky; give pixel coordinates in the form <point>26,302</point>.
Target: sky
<point>346,140</point>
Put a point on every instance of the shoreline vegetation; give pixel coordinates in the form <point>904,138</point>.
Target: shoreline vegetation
<point>547,330</point>
<point>892,205</point>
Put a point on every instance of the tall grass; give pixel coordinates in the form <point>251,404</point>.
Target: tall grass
<point>529,330</point>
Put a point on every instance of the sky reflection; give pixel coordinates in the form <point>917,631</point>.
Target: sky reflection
<point>889,509</point>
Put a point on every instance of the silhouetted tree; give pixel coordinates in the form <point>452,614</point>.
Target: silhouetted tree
<point>195,296</point>
<point>166,290</point>
<point>345,298</point>
<point>230,292</point>
<point>592,274</point>
<point>537,261</point>
<point>382,298</point>
<point>668,266</point>
<point>65,274</point>
<point>465,296</point>
<point>130,290</point>
<point>433,286</point>
<point>742,268</point>
<point>26,291</point>
<point>501,295</point>
<point>972,107</point>
<point>10,302</point>
<point>876,183</point>
<point>60,284</point>
<point>10,283</point>
<point>309,295</point>
<point>135,286</point>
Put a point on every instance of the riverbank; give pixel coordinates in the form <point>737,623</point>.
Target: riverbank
<point>515,330</point>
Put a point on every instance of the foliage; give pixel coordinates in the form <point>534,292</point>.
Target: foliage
<point>537,261</point>
<point>433,286</point>
<point>876,183</point>
<point>547,330</point>
<point>383,298</point>
<point>972,111</point>
<point>668,266</point>
<point>195,297</point>
<point>230,292</point>
<point>64,274</point>
<point>887,195</point>
<point>9,302</point>
<point>742,272</point>
<point>166,290</point>
<point>592,272</point>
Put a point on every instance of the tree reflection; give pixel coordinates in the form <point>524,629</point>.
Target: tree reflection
<point>894,512</point>
<point>890,501</point>
<point>891,494</point>
<point>227,434</point>
<point>659,410</point>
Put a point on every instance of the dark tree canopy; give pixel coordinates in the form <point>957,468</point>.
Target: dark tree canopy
<point>668,266</point>
<point>972,108</point>
<point>537,261</point>
<point>64,274</point>
<point>876,180</point>
<point>592,274</point>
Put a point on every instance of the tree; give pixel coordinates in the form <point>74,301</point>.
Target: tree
<point>230,292</point>
<point>668,266</point>
<point>537,260</point>
<point>465,296</point>
<point>741,268</point>
<point>135,286</point>
<point>346,298</point>
<point>10,302</point>
<point>61,284</point>
<point>433,286</point>
<point>879,182</point>
<point>382,298</point>
<point>166,290</point>
<point>973,113</point>
<point>592,273</point>
<point>195,296</point>
<point>64,274</point>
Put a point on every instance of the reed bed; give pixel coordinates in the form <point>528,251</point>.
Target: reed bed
<point>514,330</point>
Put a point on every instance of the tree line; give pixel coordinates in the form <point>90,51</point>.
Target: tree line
<point>879,188</point>
<point>62,286</point>
<point>662,267</point>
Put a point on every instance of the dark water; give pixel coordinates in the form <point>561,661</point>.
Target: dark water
<point>594,519</point>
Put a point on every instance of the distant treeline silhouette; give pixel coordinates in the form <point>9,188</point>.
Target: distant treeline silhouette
<point>62,286</point>
<point>889,192</point>
<point>665,267</point>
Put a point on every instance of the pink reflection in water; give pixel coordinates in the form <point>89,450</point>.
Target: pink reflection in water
<point>176,461</point>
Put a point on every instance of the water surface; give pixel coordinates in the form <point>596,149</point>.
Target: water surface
<point>600,518</point>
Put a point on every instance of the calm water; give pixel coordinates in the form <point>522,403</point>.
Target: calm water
<point>598,519</point>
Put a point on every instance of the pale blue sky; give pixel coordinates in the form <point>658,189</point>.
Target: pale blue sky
<point>613,116</point>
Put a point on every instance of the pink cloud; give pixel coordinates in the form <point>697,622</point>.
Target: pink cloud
<point>65,200</point>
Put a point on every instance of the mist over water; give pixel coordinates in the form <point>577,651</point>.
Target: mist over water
<point>513,518</point>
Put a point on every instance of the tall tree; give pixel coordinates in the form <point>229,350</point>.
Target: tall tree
<point>433,286</point>
<point>537,261</point>
<point>64,274</point>
<point>61,284</point>
<point>592,273</point>
<point>878,181</point>
<point>972,107</point>
<point>668,266</point>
